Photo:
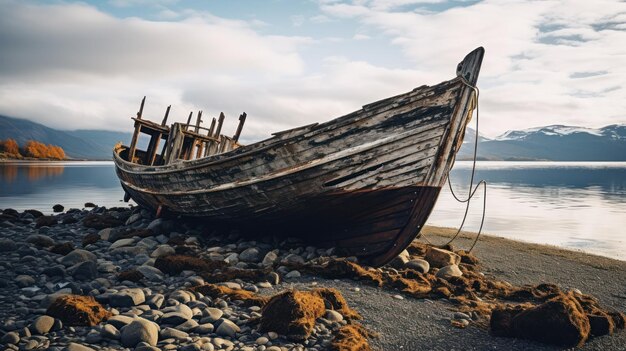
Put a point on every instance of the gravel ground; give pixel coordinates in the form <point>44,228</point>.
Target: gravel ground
<point>160,306</point>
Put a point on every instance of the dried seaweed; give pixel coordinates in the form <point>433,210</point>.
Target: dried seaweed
<point>78,310</point>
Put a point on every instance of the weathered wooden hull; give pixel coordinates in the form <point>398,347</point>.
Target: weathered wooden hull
<point>365,182</point>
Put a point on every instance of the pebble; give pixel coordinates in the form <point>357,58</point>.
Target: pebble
<point>167,333</point>
<point>42,325</point>
<point>333,316</point>
<point>262,340</point>
<point>461,315</point>
<point>419,265</point>
<point>293,274</point>
<point>140,330</point>
<point>162,250</point>
<point>269,259</point>
<point>77,347</point>
<point>77,256</point>
<point>398,297</point>
<point>449,271</point>
<point>24,280</point>
<point>227,328</point>
<point>11,338</point>
<point>252,254</point>
<point>127,298</point>
<point>122,243</point>
<point>110,331</point>
<point>119,321</point>
<point>212,313</point>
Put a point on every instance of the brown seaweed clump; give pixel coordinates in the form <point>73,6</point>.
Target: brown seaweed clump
<point>560,321</point>
<point>174,264</point>
<point>351,337</point>
<point>62,248</point>
<point>101,221</point>
<point>78,310</point>
<point>341,268</point>
<point>132,275</point>
<point>248,298</point>
<point>228,274</point>
<point>292,313</point>
<point>333,300</point>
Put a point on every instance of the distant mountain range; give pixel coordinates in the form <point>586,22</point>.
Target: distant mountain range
<point>554,143</point>
<point>77,144</point>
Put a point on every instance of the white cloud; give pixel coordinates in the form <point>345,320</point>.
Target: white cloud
<point>73,66</point>
<point>532,50</point>
<point>319,19</point>
<point>361,37</point>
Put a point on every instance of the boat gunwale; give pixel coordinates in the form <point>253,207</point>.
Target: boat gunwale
<point>289,171</point>
<point>185,165</point>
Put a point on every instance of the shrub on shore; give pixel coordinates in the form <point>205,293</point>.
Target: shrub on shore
<point>9,148</point>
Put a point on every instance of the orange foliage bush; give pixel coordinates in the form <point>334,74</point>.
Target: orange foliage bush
<point>40,150</point>
<point>10,147</point>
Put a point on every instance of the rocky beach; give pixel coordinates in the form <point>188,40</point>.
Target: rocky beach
<point>117,278</point>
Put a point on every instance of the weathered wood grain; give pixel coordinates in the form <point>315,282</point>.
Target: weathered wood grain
<point>366,181</point>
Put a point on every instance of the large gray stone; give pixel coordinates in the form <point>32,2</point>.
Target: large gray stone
<point>140,330</point>
<point>77,256</point>
<point>127,298</point>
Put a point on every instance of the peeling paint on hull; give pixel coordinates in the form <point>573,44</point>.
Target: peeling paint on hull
<point>365,182</point>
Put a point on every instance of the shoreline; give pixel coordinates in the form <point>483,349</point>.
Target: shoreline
<point>401,320</point>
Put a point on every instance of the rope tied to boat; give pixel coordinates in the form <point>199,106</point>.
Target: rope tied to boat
<point>472,190</point>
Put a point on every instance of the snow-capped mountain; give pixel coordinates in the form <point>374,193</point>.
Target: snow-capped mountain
<point>615,131</point>
<point>554,142</point>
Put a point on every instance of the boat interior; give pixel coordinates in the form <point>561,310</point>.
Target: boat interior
<point>182,141</point>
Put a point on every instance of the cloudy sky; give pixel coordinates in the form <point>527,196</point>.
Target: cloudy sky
<point>286,63</point>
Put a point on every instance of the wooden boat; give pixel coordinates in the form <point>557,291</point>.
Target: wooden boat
<point>365,182</point>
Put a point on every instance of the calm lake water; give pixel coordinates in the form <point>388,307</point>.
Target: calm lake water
<point>576,205</point>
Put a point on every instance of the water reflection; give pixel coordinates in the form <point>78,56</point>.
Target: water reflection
<point>11,172</point>
<point>573,205</point>
<point>40,185</point>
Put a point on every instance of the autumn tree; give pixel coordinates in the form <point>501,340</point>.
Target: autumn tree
<point>10,147</point>
<point>36,149</point>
